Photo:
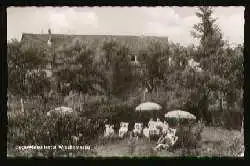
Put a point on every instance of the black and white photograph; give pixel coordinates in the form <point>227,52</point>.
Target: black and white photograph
<point>125,81</point>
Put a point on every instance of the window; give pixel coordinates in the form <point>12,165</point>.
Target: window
<point>132,58</point>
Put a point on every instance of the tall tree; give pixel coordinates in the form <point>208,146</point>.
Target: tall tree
<point>210,48</point>
<point>208,32</point>
<point>222,66</point>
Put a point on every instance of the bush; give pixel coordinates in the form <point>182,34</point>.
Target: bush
<point>35,128</point>
<point>237,146</point>
<point>232,119</point>
<point>114,113</point>
<point>189,136</point>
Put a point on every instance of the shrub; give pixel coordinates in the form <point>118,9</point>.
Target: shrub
<point>237,146</point>
<point>114,113</point>
<point>232,119</point>
<point>189,136</point>
<point>35,128</point>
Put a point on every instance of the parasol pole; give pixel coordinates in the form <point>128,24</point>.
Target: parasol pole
<point>140,114</point>
<point>144,94</point>
<point>178,122</point>
<point>242,126</point>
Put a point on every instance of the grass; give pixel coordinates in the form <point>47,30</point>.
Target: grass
<point>215,142</point>
<point>122,148</point>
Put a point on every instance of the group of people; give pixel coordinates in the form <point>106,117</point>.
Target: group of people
<point>156,128</point>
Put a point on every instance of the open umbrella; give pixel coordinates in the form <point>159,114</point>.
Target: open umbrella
<point>179,115</point>
<point>147,110</point>
<point>148,106</point>
<point>61,110</point>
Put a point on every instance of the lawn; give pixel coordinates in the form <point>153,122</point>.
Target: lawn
<point>215,142</point>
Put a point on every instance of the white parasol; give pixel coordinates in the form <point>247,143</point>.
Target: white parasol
<point>179,114</point>
<point>148,106</point>
<point>61,110</point>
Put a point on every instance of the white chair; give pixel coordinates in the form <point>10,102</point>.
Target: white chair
<point>146,132</point>
<point>109,130</point>
<point>138,128</point>
<point>123,129</point>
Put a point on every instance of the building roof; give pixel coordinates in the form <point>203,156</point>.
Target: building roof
<point>134,43</point>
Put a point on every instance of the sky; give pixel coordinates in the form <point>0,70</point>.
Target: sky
<point>173,22</point>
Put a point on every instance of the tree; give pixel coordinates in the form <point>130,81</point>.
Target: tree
<point>116,68</point>
<point>234,73</point>
<point>154,64</point>
<point>78,69</point>
<point>38,84</point>
<point>221,65</point>
<point>26,76</point>
<point>16,71</point>
<point>211,47</point>
<point>179,57</point>
<point>25,62</point>
<point>208,32</point>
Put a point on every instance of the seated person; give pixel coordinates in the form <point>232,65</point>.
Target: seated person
<point>163,142</point>
<point>165,128</point>
<point>166,140</point>
<point>151,122</point>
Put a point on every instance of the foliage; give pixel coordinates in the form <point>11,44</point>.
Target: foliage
<point>237,146</point>
<point>116,68</point>
<point>189,137</point>
<point>208,32</point>
<point>219,69</point>
<point>38,83</point>
<point>154,63</point>
<point>37,129</point>
<point>22,61</point>
<point>113,113</point>
<point>78,68</point>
